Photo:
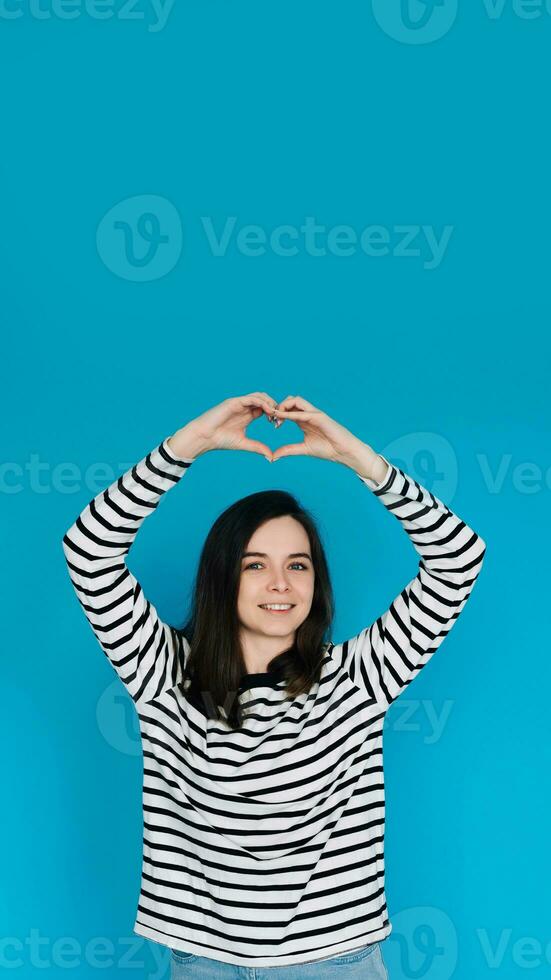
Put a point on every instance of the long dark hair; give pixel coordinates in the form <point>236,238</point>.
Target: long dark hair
<point>215,665</point>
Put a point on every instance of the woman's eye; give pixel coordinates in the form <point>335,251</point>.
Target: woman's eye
<point>294,564</point>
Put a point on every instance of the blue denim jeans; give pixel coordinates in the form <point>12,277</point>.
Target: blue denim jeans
<point>366,963</point>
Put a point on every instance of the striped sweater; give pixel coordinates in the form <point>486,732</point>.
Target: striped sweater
<point>264,846</point>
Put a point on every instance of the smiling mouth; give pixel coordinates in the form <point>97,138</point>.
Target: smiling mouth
<point>279,607</point>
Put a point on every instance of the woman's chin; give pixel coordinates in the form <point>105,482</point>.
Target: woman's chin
<point>272,623</point>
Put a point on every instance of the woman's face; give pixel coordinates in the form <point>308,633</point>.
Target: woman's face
<point>276,568</point>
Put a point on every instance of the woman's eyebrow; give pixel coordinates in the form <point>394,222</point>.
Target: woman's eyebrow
<point>262,554</point>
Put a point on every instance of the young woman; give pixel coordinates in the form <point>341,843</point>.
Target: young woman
<point>263,792</point>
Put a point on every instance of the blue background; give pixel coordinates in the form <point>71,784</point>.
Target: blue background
<point>272,113</point>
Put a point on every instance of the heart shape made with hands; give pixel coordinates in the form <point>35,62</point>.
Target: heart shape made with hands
<point>309,419</point>
<point>324,437</point>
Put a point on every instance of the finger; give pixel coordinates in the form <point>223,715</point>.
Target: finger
<point>257,400</point>
<point>256,397</point>
<point>273,404</point>
<point>286,402</point>
<point>293,449</point>
<point>262,395</point>
<point>252,446</point>
<point>269,398</point>
<point>292,414</point>
<point>296,401</point>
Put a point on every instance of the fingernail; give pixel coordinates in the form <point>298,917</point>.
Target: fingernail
<point>268,458</point>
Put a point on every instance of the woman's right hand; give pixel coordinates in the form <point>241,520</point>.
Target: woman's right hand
<point>224,427</point>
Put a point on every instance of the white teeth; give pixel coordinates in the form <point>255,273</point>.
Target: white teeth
<point>275,605</point>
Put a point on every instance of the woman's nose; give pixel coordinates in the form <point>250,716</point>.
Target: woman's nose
<point>279,582</point>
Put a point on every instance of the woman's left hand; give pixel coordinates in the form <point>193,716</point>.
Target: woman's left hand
<point>323,437</point>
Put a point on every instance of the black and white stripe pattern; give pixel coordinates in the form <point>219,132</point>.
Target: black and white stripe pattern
<point>386,656</point>
<point>265,846</point>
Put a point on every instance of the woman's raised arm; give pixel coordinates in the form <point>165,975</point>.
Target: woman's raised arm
<point>386,656</point>
<point>147,654</point>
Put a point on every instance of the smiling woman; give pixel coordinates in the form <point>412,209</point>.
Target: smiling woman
<point>264,834</point>
<point>263,550</point>
<point>280,583</point>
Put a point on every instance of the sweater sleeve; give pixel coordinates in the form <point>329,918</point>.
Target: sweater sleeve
<point>146,653</point>
<point>386,656</point>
